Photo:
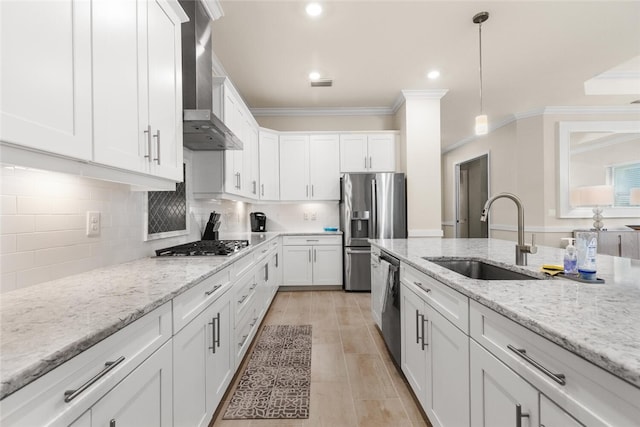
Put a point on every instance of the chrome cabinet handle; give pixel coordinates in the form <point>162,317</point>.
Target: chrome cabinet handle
<point>313,240</point>
<point>619,245</point>
<point>253,287</point>
<point>424,342</point>
<point>309,255</point>
<point>418,326</point>
<point>520,415</point>
<point>262,190</point>
<point>148,132</point>
<point>244,338</point>
<point>419,284</point>
<point>215,288</point>
<point>370,163</point>
<point>255,320</point>
<point>241,300</point>
<point>215,333</point>
<point>255,185</point>
<point>157,137</point>
<point>239,180</point>
<point>315,258</point>
<point>69,395</point>
<point>559,378</point>
<point>266,272</point>
<point>312,190</point>
<point>365,162</point>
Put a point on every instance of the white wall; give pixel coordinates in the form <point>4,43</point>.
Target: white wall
<point>291,216</point>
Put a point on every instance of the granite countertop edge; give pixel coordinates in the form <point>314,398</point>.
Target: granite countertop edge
<point>18,379</point>
<point>464,285</point>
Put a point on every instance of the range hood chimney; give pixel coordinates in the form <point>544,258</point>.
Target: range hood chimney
<point>202,130</point>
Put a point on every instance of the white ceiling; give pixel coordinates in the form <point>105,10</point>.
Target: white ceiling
<point>535,54</point>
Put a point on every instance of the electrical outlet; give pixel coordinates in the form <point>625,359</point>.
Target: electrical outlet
<point>314,216</point>
<point>305,216</point>
<point>93,223</point>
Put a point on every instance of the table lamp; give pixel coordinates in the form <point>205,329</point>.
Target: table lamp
<point>595,196</point>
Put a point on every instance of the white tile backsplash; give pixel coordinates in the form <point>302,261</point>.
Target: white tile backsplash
<point>42,224</point>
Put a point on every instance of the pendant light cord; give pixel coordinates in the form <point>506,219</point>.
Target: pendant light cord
<point>480,43</point>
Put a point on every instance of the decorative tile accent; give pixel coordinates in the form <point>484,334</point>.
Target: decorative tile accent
<point>168,209</point>
<point>276,383</point>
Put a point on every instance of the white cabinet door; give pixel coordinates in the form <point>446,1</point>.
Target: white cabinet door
<point>144,398</point>
<point>203,364</point>
<point>327,265</point>
<point>46,76</point>
<point>324,167</point>
<point>447,397</point>
<point>498,395</point>
<point>294,167</point>
<point>122,137</point>
<point>137,122</point>
<point>551,415</point>
<point>165,89</point>
<point>269,166</point>
<point>414,356</point>
<point>251,161</point>
<point>382,153</point>
<point>298,266</point>
<point>353,153</point>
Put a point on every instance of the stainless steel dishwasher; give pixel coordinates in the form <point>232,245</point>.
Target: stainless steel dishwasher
<point>390,271</point>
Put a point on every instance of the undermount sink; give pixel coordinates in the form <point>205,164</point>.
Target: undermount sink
<point>476,269</point>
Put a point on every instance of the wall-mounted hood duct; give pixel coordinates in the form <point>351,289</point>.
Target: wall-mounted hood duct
<point>202,129</point>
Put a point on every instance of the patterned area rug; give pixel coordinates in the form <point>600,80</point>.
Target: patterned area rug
<point>277,380</point>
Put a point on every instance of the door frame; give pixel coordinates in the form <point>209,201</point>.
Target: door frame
<point>456,180</point>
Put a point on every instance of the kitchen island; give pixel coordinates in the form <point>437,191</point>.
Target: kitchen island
<point>515,344</point>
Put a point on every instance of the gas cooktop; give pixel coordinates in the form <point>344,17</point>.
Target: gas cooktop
<point>205,248</point>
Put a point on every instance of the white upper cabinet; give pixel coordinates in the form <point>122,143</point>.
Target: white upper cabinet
<point>368,152</point>
<point>137,122</point>
<point>309,167</point>
<point>269,166</point>
<point>111,90</point>
<point>46,76</point>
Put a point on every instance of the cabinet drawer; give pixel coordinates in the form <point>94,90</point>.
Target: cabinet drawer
<point>189,304</point>
<point>334,239</point>
<point>244,291</point>
<point>243,265</point>
<point>261,253</point>
<point>450,303</point>
<point>245,330</point>
<point>91,374</point>
<point>592,395</point>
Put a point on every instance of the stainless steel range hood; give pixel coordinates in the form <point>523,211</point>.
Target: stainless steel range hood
<point>202,130</point>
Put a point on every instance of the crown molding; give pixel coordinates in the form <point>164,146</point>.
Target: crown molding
<point>337,111</point>
<point>213,9</point>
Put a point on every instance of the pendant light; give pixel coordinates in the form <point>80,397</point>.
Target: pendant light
<point>482,124</point>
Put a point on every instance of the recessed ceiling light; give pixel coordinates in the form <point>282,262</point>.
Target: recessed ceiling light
<point>314,9</point>
<point>314,75</point>
<point>434,74</point>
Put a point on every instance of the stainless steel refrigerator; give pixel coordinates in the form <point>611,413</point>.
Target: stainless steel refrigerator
<point>372,206</point>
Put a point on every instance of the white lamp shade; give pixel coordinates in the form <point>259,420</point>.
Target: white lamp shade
<point>482,125</point>
<point>634,196</point>
<point>595,195</point>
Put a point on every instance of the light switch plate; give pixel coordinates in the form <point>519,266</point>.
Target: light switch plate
<point>93,223</point>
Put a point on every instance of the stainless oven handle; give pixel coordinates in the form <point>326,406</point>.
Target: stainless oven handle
<point>357,251</point>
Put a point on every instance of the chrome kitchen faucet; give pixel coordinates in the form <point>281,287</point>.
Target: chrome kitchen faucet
<point>522,249</point>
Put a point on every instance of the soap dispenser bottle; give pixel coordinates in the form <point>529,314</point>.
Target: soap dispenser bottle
<point>570,257</point>
<point>587,251</point>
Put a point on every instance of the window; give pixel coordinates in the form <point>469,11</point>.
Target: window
<point>624,178</point>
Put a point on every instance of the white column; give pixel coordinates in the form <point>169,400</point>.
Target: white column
<point>420,130</point>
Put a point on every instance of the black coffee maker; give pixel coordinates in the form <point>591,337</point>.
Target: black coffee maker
<point>258,221</point>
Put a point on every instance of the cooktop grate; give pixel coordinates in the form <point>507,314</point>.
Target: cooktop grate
<point>204,248</point>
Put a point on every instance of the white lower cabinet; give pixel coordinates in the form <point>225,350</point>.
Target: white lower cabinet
<point>377,287</point>
<point>142,399</point>
<point>499,397</point>
<point>202,364</point>
<point>435,360</point>
<point>312,260</point>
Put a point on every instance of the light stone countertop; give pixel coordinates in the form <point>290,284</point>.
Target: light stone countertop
<point>599,322</point>
<point>45,325</point>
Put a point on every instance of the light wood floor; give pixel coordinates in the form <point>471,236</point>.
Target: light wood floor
<point>353,380</point>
